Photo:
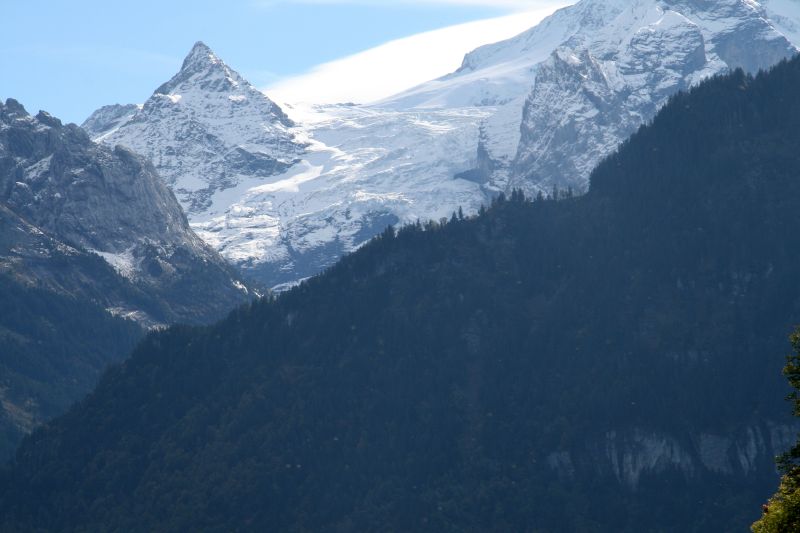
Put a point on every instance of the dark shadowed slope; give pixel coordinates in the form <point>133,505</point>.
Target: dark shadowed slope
<point>57,185</point>
<point>87,234</point>
<point>603,363</point>
<point>53,349</point>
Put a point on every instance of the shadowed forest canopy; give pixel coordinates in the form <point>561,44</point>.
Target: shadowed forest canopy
<point>53,349</point>
<point>609,362</point>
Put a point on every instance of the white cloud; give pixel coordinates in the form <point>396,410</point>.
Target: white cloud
<point>404,63</point>
<point>511,4</point>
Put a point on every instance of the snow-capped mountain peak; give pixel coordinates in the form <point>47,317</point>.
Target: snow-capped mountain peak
<point>206,130</point>
<point>535,111</point>
<point>203,68</point>
<point>201,57</point>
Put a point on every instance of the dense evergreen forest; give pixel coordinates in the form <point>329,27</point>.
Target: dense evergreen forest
<point>53,349</point>
<point>609,362</point>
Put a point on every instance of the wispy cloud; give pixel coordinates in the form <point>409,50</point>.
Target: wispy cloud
<point>401,64</point>
<point>513,5</point>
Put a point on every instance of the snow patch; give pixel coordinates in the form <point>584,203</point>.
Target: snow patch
<point>124,263</point>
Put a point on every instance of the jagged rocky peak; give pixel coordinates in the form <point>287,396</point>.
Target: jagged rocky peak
<point>204,71</point>
<point>202,62</point>
<point>109,118</point>
<point>205,130</point>
<point>67,185</point>
<point>12,108</point>
<point>200,57</point>
<point>90,198</point>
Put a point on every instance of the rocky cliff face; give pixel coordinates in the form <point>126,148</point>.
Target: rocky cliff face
<point>632,455</point>
<point>64,196</point>
<point>94,250</point>
<point>599,86</point>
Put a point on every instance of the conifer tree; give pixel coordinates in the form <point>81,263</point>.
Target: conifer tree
<point>782,512</point>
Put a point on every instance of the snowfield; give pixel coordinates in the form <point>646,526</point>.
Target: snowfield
<point>286,198</point>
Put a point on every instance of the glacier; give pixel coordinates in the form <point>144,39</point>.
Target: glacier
<point>284,198</point>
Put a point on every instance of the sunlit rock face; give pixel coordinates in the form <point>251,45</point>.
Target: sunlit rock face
<point>599,86</point>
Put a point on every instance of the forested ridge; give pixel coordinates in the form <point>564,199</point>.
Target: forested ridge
<point>553,364</point>
<point>53,348</point>
<point>88,235</point>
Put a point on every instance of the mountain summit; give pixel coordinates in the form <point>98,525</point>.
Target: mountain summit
<point>206,130</point>
<point>536,111</point>
<point>200,57</point>
<point>203,69</point>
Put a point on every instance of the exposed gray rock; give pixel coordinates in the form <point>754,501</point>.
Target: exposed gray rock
<point>714,453</point>
<point>96,228</point>
<point>63,194</point>
<point>630,454</point>
<point>637,452</point>
<point>597,88</point>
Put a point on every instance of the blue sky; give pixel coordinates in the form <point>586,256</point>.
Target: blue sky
<point>71,57</point>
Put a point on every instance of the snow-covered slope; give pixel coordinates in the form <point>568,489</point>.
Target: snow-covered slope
<point>109,118</point>
<point>536,111</point>
<point>598,87</point>
<point>284,201</point>
<point>566,92</point>
<point>365,169</point>
<point>206,130</point>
